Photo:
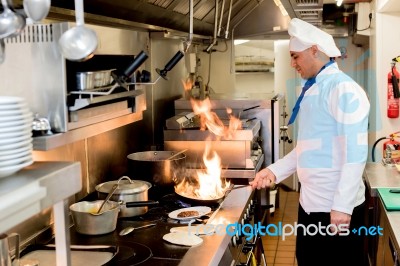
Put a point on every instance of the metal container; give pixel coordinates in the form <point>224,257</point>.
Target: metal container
<point>89,223</point>
<point>128,191</point>
<point>93,79</point>
<point>155,167</point>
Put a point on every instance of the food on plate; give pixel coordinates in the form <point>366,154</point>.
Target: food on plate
<point>188,214</point>
<point>183,239</point>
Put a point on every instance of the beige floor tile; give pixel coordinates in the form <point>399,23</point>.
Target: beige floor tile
<point>282,264</point>
<point>270,253</point>
<point>284,254</point>
<point>286,248</point>
<point>284,260</point>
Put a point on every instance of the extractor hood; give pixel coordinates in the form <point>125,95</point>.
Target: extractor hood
<point>160,15</point>
<point>257,19</point>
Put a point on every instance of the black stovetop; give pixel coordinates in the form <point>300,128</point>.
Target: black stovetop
<point>144,246</point>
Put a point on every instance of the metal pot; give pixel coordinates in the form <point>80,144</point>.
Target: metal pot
<point>89,223</point>
<point>155,167</point>
<point>128,191</point>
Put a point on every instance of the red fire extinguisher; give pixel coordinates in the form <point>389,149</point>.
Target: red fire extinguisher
<point>393,92</point>
<point>391,144</point>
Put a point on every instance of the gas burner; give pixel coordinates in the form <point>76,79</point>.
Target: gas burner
<point>131,253</point>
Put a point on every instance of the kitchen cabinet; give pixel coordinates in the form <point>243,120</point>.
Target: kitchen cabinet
<point>38,187</point>
<point>387,252</point>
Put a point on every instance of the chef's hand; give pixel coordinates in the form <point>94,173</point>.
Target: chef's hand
<point>340,218</point>
<point>264,178</point>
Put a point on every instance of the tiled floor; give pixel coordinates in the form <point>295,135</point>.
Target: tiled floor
<point>281,252</point>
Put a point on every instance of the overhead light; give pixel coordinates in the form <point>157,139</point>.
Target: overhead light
<point>237,42</point>
<point>339,2</point>
<point>278,3</point>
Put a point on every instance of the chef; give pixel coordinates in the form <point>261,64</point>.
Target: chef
<point>330,155</point>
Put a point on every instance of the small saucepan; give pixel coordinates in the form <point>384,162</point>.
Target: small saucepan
<point>88,221</point>
<point>132,194</point>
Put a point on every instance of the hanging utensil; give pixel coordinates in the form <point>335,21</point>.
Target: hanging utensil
<point>36,9</point>
<point>11,23</point>
<point>79,42</point>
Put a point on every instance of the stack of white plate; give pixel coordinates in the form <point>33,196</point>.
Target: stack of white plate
<point>15,135</point>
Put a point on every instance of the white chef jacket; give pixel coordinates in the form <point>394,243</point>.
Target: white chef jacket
<point>332,144</point>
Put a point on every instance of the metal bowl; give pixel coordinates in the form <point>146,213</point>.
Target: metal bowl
<point>88,222</point>
<point>93,79</point>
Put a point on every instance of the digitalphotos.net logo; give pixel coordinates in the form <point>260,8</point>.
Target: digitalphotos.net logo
<point>282,230</point>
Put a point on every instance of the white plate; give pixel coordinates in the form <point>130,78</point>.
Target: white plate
<point>11,100</point>
<point>12,151</point>
<point>19,112</point>
<point>16,145</point>
<point>202,210</point>
<point>18,122</point>
<point>27,132</point>
<point>24,152</point>
<point>8,141</point>
<point>23,127</point>
<point>15,117</point>
<point>6,171</point>
<point>15,106</point>
<point>15,161</point>
<point>183,239</point>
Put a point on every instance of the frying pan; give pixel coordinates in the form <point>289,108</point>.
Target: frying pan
<point>194,201</point>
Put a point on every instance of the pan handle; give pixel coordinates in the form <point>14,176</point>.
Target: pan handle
<point>140,203</point>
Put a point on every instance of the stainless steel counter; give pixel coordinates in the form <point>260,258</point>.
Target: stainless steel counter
<point>212,249</point>
<point>377,175</point>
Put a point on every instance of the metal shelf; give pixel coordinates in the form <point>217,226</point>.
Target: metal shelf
<point>38,187</point>
<point>44,143</point>
<point>35,188</point>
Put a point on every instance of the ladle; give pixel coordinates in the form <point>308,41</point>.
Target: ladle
<point>114,187</point>
<point>130,229</point>
<point>11,24</point>
<point>79,42</point>
<point>37,9</point>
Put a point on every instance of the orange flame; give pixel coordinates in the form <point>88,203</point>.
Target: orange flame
<point>209,184</point>
<point>210,120</point>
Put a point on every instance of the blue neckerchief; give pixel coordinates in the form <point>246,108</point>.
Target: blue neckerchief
<point>308,84</point>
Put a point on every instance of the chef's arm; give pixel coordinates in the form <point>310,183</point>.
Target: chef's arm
<point>284,167</point>
<point>276,172</point>
<point>352,131</point>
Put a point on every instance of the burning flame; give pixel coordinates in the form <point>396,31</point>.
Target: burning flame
<point>210,120</point>
<point>209,182</point>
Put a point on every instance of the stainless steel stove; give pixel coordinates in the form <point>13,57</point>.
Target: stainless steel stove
<point>241,155</point>
<point>147,247</point>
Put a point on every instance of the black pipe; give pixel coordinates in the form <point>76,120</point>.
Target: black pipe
<point>374,146</point>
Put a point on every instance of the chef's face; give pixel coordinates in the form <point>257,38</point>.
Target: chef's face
<point>304,62</point>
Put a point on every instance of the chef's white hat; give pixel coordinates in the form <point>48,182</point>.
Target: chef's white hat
<point>304,35</point>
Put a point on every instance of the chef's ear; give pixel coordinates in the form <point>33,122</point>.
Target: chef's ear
<point>314,51</point>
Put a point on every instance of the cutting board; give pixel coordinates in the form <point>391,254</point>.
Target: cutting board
<point>390,200</point>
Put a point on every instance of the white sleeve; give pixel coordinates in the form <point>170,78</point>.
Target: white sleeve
<point>284,167</point>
